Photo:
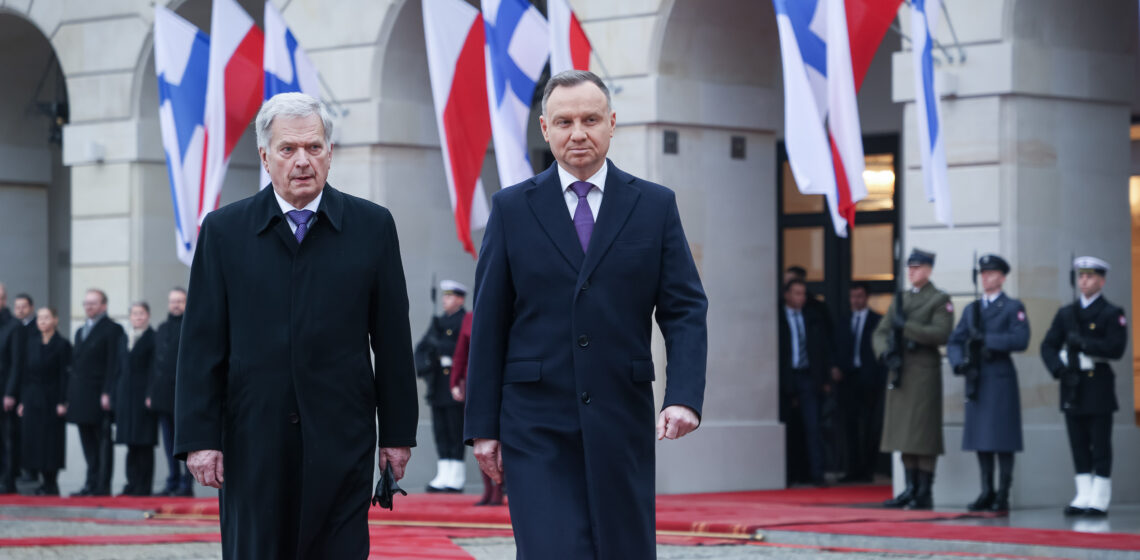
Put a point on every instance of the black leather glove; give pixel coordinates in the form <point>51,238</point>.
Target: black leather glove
<point>1075,341</point>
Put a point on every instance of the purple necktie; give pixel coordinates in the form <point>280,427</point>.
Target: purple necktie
<point>583,216</point>
<point>300,218</point>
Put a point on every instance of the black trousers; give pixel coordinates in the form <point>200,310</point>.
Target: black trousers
<point>1090,439</point>
<point>862,405</point>
<point>9,448</point>
<point>178,477</point>
<point>140,470</point>
<point>447,427</point>
<point>98,452</point>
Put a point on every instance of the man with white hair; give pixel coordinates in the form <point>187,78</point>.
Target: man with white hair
<point>276,402</point>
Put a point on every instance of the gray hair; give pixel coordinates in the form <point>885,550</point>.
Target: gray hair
<point>571,78</point>
<point>291,104</point>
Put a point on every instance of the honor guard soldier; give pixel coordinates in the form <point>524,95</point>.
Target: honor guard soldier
<point>990,329</point>
<point>433,363</point>
<point>907,339</point>
<point>1084,337</point>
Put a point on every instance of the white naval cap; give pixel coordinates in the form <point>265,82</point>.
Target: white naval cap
<point>1091,264</point>
<point>453,287</point>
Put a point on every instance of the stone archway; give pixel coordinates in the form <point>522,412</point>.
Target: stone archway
<point>35,198</point>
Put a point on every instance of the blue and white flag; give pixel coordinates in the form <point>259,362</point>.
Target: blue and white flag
<point>932,144</point>
<point>181,61</point>
<point>287,67</point>
<point>518,46</point>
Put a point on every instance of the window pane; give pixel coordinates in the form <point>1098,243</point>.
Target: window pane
<point>880,303</point>
<point>872,252</point>
<point>804,247</point>
<point>796,203</point>
<point>879,176</point>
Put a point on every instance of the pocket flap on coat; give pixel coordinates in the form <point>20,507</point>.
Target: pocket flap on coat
<point>522,372</point>
<point>641,370</point>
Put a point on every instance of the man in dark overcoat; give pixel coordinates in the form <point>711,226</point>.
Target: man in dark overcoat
<point>805,366</point>
<point>1097,332</point>
<point>97,362</point>
<point>277,402</point>
<point>160,392</point>
<point>559,383</point>
<point>434,358</point>
<point>993,414</point>
<point>860,385</point>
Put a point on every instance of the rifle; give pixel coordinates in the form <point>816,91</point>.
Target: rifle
<point>972,369</point>
<point>893,357</point>
<point>1071,379</point>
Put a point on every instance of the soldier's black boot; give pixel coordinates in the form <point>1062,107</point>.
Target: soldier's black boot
<point>1005,482</point>
<point>905,496</point>
<point>923,492</point>
<point>986,499</point>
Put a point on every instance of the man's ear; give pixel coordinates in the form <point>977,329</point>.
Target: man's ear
<point>542,126</point>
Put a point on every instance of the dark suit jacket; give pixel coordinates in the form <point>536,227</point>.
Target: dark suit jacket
<point>274,370</point>
<point>134,423</point>
<point>161,387</point>
<point>95,368</point>
<point>869,369</point>
<point>561,368</point>
<point>819,348</point>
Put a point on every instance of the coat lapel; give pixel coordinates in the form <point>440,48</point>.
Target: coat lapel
<point>618,200</point>
<point>268,216</point>
<point>548,204</point>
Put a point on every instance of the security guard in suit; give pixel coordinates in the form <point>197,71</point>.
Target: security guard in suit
<point>1084,337</point>
<point>980,351</point>
<point>433,363</point>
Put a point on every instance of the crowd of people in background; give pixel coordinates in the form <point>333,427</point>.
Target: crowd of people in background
<point>115,384</point>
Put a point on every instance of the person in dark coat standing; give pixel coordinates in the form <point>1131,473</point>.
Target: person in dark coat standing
<point>23,326</point>
<point>39,383</point>
<point>277,403</point>
<point>160,392</point>
<point>993,415</point>
<point>434,358</point>
<point>805,366</point>
<point>559,384</point>
<point>97,361</point>
<point>135,425</point>
<point>1097,331</point>
<point>859,381</point>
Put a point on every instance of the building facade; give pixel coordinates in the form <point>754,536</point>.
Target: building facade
<point>1037,119</point>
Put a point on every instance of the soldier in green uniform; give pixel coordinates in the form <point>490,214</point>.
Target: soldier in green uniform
<point>908,344</point>
<point>1096,331</point>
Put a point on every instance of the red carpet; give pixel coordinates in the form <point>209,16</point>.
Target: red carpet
<point>423,525</point>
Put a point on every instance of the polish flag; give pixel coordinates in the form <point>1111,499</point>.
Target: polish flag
<point>453,30</point>
<point>234,86</point>
<point>569,47</point>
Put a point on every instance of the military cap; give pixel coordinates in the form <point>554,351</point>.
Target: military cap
<point>993,262</point>
<point>1091,265</point>
<point>452,287</point>
<point>919,257</point>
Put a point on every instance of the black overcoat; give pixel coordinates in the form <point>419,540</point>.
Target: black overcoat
<point>134,423</point>
<point>561,367</point>
<point>274,370</point>
<point>39,380</point>
<point>437,343</point>
<point>1104,330</point>
<point>993,418</point>
<point>96,361</point>
<point>161,389</point>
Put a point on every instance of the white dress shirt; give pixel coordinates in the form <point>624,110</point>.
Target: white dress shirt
<point>988,299</point>
<point>286,208</point>
<point>1085,302</point>
<point>593,198</point>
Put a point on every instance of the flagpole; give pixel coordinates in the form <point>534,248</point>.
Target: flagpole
<point>614,87</point>
<point>333,101</point>
<point>950,24</point>
<point>946,53</point>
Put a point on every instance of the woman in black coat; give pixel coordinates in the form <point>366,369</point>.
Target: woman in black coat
<point>135,425</point>
<point>39,382</point>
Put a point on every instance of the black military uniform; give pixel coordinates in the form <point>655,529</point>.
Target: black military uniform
<point>10,337</point>
<point>1097,331</point>
<point>433,364</point>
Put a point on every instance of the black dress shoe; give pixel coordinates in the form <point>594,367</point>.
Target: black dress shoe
<point>1093,512</point>
<point>85,491</point>
<point>8,489</point>
<point>984,502</point>
<point>184,493</point>
<point>42,491</point>
<point>1071,511</point>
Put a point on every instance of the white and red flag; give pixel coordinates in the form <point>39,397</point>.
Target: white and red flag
<point>234,86</point>
<point>826,47</point>
<point>454,31</point>
<point>569,47</point>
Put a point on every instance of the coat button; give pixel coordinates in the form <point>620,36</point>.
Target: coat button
<point>585,285</point>
<point>583,341</point>
<point>585,397</point>
<point>294,418</point>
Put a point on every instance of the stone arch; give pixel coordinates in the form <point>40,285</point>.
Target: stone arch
<point>35,201</point>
